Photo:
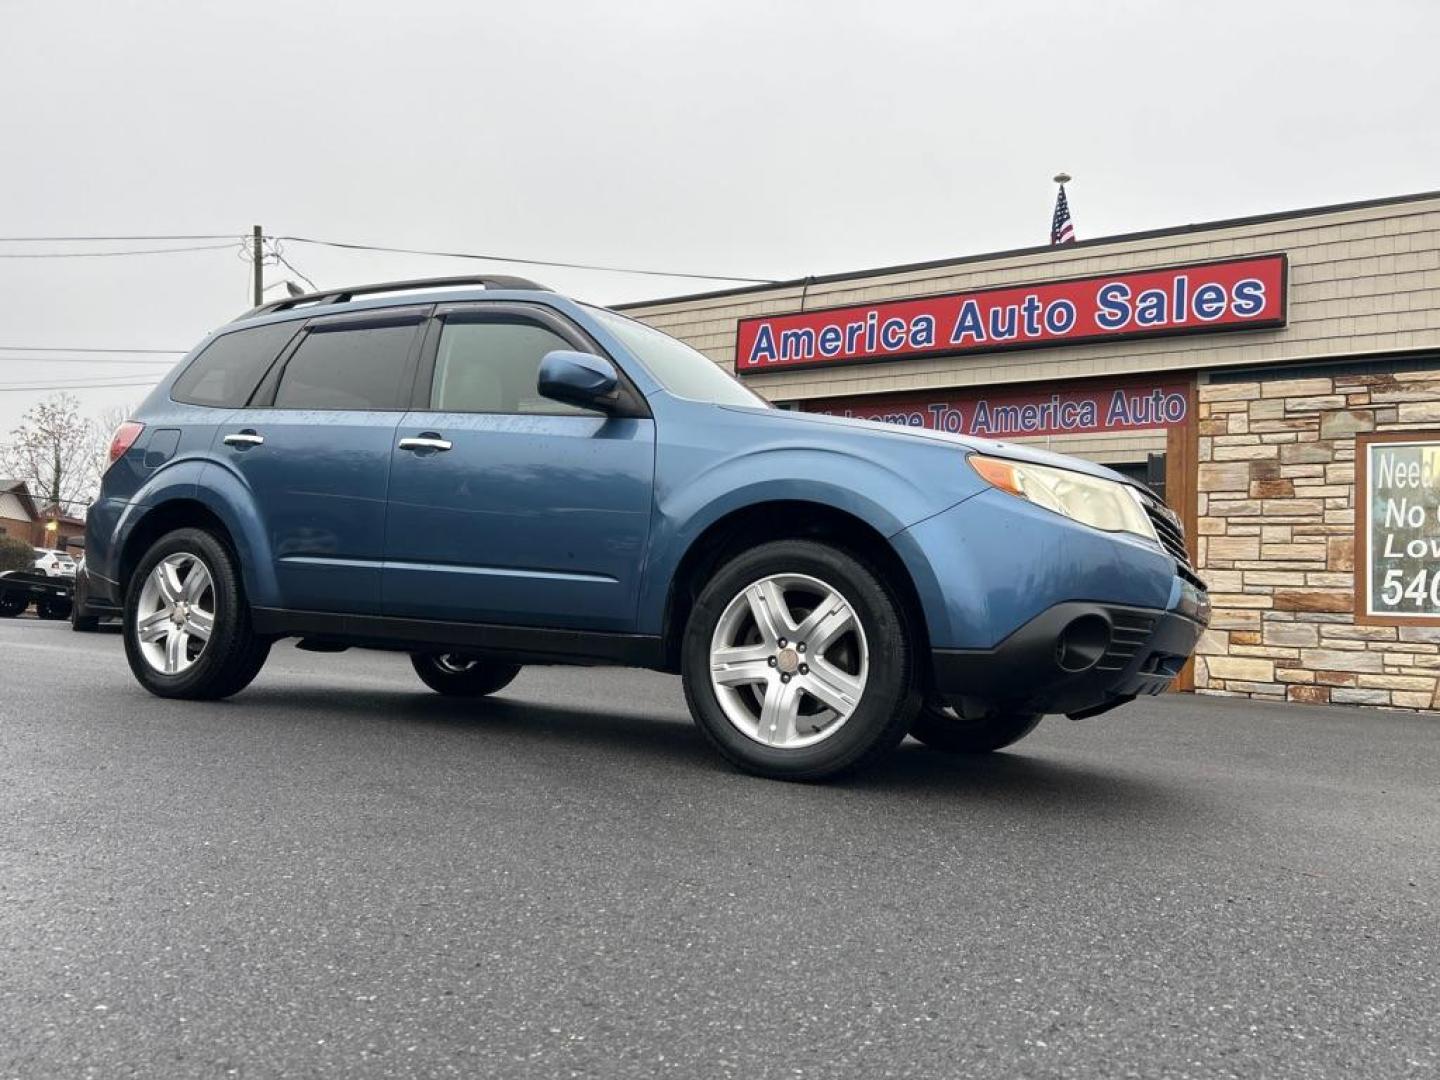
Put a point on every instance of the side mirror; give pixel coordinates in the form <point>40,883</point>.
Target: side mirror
<point>580,379</point>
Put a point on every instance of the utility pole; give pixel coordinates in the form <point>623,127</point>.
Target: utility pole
<point>258,253</point>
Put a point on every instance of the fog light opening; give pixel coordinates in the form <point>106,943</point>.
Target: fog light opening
<point>1082,643</point>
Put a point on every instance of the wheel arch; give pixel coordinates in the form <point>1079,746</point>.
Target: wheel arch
<point>180,513</point>
<point>788,519</point>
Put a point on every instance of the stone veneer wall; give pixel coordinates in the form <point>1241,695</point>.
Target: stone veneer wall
<point>1276,522</point>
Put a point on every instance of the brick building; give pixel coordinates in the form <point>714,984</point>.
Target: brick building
<point>1236,366</point>
<point>18,513</point>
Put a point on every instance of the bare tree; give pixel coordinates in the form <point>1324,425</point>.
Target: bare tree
<point>101,430</point>
<point>52,450</point>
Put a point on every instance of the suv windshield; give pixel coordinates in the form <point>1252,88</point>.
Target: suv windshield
<point>683,371</point>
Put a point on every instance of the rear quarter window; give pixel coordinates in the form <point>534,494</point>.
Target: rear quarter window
<point>226,373</point>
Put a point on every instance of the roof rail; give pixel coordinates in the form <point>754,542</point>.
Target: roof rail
<point>342,296</point>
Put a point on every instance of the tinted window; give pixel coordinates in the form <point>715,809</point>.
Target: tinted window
<point>358,368</point>
<point>225,374</point>
<point>492,367</point>
<point>684,371</point>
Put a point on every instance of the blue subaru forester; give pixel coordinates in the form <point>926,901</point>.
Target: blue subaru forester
<point>484,474</point>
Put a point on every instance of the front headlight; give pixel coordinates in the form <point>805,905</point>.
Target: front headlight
<point>1090,500</point>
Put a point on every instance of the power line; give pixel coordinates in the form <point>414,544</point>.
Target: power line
<point>88,349</point>
<point>105,386</point>
<point>525,262</point>
<point>341,244</point>
<point>111,239</point>
<point>47,501</point>
<point>89,360</point>
<point>83,382</point>
<point>108,254</point>
<point>293,269</point>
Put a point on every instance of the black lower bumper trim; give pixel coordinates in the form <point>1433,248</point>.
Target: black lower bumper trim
<point>1039,668</point>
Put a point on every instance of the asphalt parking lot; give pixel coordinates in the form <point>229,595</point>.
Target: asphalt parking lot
<point>340,873</point>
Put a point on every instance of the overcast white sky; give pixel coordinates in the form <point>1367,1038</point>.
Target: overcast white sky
<point>758,139</point>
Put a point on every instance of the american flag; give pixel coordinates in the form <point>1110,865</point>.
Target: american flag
<point>1061,230</point>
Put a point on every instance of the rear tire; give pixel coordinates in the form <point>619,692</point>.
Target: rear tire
<point>457,675</point>
<point>797,662</point>
<point>53,610</point>
<point>196,641</point>
<point>941,728</point>
<point>12,606</point>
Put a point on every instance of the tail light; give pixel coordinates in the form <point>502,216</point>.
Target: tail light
<point>124,438</point>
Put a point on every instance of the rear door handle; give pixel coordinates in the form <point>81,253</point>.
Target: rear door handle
<point>244,438</point>
<point>425,442</point>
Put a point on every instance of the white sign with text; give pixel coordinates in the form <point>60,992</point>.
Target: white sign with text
<point>1401,529</point>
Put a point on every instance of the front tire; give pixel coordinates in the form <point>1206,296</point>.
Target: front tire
<point>797,662</point>
<point>187,625</point>
<point>13,606</point>
<point>941,728</point>
<point>456,675</point>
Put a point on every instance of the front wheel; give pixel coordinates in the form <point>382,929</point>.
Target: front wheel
<point>12,606</point>
<point>797,662</point>
<point>187,626</point>
<point>941,728</point>
<point>456,675</point>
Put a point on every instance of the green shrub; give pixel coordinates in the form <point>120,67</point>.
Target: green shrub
<point>14,555</point>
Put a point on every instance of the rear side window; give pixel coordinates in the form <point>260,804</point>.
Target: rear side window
<point>493,366</point>
<point>358,368</point>
<point>225,374</point>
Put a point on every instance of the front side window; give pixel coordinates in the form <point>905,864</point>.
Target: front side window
<point>354,368</point>
<point>684,371</point>
<point>493,366</point>
<point>225,374</point>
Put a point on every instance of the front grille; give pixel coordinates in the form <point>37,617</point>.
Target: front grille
<point>1172,536</point>
<point>1128,634</point>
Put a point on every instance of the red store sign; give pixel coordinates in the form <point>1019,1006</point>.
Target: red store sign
<point>1240,294</point>
<point>1011,414</point>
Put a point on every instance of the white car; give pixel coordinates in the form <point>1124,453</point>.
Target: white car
<point>53,563</point>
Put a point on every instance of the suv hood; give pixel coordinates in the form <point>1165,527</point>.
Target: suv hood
<point>1013,451</point>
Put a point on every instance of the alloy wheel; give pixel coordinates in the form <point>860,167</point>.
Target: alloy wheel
<point>789,661</point>
<point>453,663</point>
<point>175,613</point>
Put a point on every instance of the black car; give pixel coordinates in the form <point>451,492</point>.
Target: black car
<point>21,588</point>
<point>86,610</point>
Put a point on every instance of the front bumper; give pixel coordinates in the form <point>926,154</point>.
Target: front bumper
<point>1078,658</point>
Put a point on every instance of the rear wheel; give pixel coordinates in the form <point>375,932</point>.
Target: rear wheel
<point>797,663</point>
<point>53,609</point>
<point>941,728</point>
<point>187,625</point>
<point>458,675</point>
<point>11,606</point>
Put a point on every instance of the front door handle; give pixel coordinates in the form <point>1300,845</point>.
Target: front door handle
<point>244,438</point>
<point>425,442</point>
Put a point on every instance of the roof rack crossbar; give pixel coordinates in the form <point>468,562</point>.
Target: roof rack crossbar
<point>341,296</point>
